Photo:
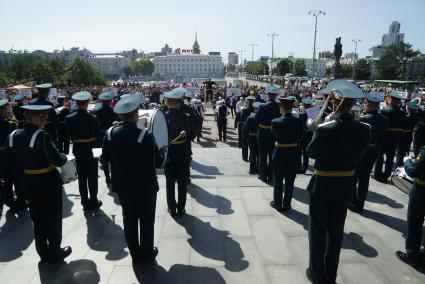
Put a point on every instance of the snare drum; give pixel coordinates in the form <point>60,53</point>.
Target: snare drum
<point>401,180</point>
<point>155,121</point>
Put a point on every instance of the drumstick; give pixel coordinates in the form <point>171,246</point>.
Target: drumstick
<point>181,135</point>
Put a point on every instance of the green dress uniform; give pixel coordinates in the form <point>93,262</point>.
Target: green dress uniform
<point>83,129</point>
<point>419,133</point>
<point>106,116</point>
<point>308,135</point>
<point>391,140</point>
<point>287,131</point>
<point>245,113</point>
<point>18,112</point>
<point>415,211</point>
<point>179,156</point>
<point>379,126</point>
<point>134,156</point>
<point>52,119</point>
<point>37,156</point>
<point>264,116</point>
<point>337,147</point>
<point>406,134</point>
<point>63,139</point>
<point>250,128</point>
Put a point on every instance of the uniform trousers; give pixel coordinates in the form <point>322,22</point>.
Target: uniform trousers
<point>177,171</point>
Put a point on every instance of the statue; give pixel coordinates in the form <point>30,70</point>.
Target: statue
<point>338,54</point>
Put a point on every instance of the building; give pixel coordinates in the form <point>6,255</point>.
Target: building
<point>326,55</point>
<point>196,48</point>
<point>377,51</point>
<point>232,58</point>
<point>319,66</point>
<point>111,65</point>
<point>394,36</point>
<point>166,49</point>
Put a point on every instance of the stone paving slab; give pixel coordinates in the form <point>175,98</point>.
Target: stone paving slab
<point>229,235</point>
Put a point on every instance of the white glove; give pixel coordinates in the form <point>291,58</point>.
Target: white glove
<point>406,159</point>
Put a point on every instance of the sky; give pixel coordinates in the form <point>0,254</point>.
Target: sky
<point>222,25</point>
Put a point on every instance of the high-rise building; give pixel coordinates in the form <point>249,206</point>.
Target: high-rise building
<point>394,36</point>
<point>233,58</point>
<point>166,49</point>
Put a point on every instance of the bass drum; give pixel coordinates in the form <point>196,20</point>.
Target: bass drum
<point>69,170</point>
<point>155,121</point>
<point>401,180</point>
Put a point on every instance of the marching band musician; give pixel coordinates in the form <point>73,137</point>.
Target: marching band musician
<point>37,156</point>
<point>179,153</point>
<point>332,184</point>
<point>391,140</point>
<point>406,132</point>
<point>249,133</point>
<point>134,156</point>
<point>415,212</point>
<point>62,112</point>
<point>18,112</point>
<point>52,119</point>
<point>264,116</point>
<point>379,127</point>
<point>245,113</point>
<point>83,129</point>
<point>106,116</point>
<point>308,135</point>
<point>419,132</point>
<point>287,131</point>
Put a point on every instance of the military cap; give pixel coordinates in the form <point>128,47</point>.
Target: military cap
<point>396,95</point>
<point>106,96</point>
<point>250,98</point>
<point>40,110</point>
<point>19,97</point>
<point>3,102</point>
<point>286,99</point>
<point>374,97</point>
<point>173,94</point>
<point>127,105</point>
<point>257,104</point>
<point>307,101</point>
<point>61,97</point>
<point>181,91</point>
<point>126,96</point>
<point>412,105</point>
<point>272,90</point>
<point>344,89</point>
<point>44,86</point>
<point>82,96</point>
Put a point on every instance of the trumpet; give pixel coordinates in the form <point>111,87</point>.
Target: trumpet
<point>313,123</point>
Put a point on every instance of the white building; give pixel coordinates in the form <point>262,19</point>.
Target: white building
<point>110,65</point>
<point>233,58</point>
<point>184,67</point>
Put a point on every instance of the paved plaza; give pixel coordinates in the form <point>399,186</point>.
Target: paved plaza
<point>229,235</point>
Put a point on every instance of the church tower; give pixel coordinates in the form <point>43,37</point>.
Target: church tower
<point>196,46</point>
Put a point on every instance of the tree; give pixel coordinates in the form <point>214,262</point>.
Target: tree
<point>19,68</point>
<point>362,70</point>
<point>298,68</point>
<point>347,71</point>
<point>283,66</point>
<point>231,68</point>
<point>82,73</point>
<point>329,71</point>
<point>392,64</point>
<point>140,67</point>
<point>5,80</point>
<point>257,68</point>
<point>41,72</point>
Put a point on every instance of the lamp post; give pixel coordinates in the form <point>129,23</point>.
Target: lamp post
<point>241,51</point>
<point>252,45</point>
<point>356,41</point>
<point>272,35</point>
<point>315,14</point>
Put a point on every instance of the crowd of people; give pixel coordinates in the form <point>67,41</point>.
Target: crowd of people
<point>347,135</point>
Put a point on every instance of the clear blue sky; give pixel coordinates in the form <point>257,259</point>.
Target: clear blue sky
<point>222,25</point>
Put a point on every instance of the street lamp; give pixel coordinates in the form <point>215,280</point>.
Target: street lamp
<point>356,41</point>
<point>315,13</point>
<point>272,35</point>
<point>241,51</point>
<point>252,45</point>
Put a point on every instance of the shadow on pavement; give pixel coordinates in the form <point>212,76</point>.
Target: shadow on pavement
<point>81,271</point>
<point>103,234</point>
<point>203,197</point>
<point>178,273</point>
<point>16,235</point>
<point>382,199</point>
<point>389,221</point>
<point>213,243</point>
<point>67,204</point>
<point>205,169</point>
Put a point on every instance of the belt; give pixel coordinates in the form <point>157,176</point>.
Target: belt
<point>373,145</point>
<point>334,173</point>
<point>292,145</point>
<point>406,130</point>
<point>39,171</point>
<point>420,181</point>
<point>84,140</point>
<point>265,126</point>
<point>178,142</point>
<point>21,121</point>
<point>253,134</point>
<point>395,129</point>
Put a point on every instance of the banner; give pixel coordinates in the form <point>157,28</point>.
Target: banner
<point>233,91</point>
<point>195,91</point>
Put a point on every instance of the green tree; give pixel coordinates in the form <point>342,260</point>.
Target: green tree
<point>231,68</point>
<point>5,80</point>
<point>20,66</point>
<point>298,68</point>
<point>283,66</point>
<point>82,73</point>
<point>257,68</point>
<point>362,70</point>
<point>392,64</point>
<point>329,71</point>
<point>140,67</point>
<point>41,72</point>
<point>347,71</point>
